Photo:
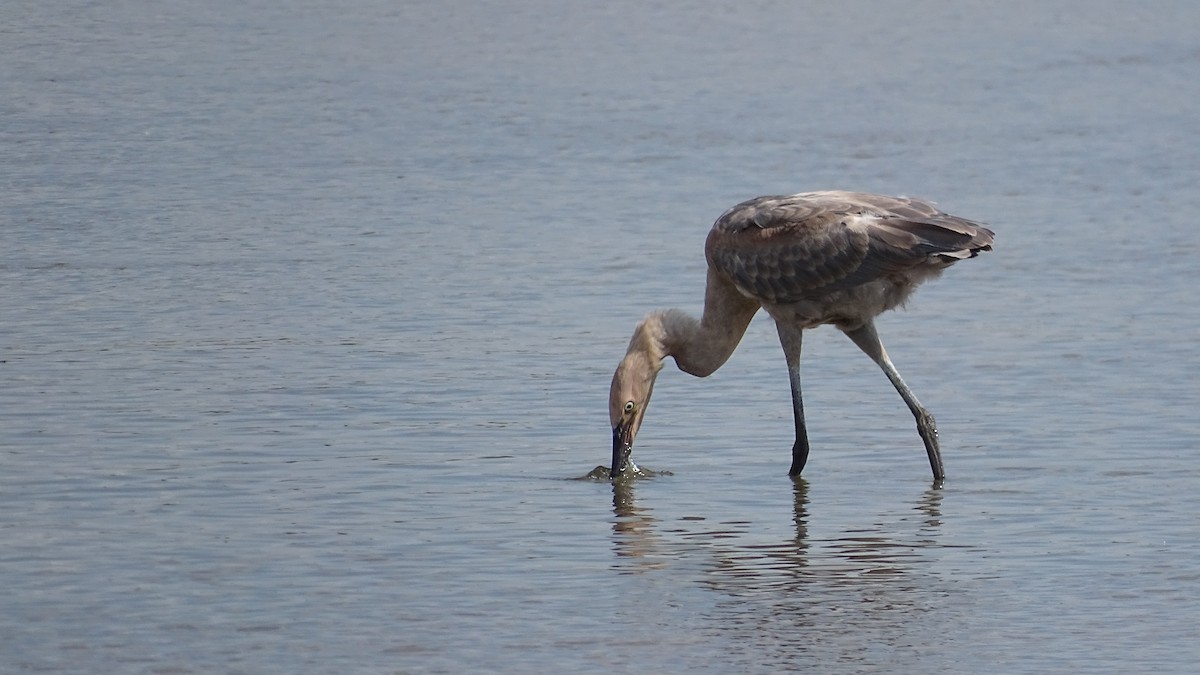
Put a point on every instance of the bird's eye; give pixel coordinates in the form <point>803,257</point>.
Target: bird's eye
<point>629,406</point>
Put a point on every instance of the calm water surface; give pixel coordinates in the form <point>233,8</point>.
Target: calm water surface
<point>309,312</point>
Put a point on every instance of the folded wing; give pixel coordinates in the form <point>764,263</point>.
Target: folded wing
<point>788,248</point>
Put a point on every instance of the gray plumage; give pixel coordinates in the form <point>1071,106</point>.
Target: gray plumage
<point>808,259</point>
<point>802,247</point>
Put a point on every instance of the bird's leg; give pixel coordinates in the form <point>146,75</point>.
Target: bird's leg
<point>791,337</point>
<point>867,340</point>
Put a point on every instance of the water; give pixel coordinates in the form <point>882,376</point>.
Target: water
<point>309,312</point>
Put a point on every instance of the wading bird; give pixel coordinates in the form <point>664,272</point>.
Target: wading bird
<point>809,259</point>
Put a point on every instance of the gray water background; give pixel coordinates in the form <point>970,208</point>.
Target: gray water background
<point>308,312</point>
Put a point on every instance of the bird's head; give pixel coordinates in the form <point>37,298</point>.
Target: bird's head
<point>628,398</point>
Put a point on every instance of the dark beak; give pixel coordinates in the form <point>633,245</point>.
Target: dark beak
<point>622,447</point>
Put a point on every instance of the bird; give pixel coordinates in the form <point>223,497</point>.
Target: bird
<point>816,258</point>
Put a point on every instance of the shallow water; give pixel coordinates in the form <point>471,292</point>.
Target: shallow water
<point>309,315</point>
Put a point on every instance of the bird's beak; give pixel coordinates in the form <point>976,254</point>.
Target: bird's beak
<point>622,447</point>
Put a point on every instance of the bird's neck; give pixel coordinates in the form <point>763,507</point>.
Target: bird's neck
<point>699,346</point>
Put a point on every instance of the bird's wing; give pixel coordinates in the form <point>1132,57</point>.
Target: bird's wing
<point>784,248</point>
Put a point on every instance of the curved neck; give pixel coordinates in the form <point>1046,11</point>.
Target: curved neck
<point>699,346</point>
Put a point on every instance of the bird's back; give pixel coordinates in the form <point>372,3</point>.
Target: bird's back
<point>819,247</point>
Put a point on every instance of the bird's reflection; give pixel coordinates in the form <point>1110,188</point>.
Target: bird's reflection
<point>830,581</point>
<point>634,537</point>
<point>886,548</point>
<point>931,505</point>
<point>800,509</point>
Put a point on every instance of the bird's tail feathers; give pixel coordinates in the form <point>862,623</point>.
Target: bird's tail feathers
<point>945,237</point>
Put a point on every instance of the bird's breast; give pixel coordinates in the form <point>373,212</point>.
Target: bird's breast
<point>847,308</point>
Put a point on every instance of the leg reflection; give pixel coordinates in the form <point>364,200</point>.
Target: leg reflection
<point>800,510</point>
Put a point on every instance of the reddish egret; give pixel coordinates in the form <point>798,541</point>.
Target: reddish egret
<point>814,258</point>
